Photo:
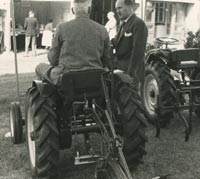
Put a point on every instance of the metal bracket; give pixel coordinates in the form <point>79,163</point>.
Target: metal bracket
<point>85,159</point>
<point>187,126</point>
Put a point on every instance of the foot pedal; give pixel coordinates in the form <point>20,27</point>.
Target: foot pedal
<point>86,159</point>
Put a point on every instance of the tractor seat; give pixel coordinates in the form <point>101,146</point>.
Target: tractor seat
<point>81,85</point>
<point>185,58</point>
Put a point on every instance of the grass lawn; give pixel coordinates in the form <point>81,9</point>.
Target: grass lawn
<point>168,154</point>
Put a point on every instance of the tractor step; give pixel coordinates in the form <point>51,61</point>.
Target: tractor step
<point>86,159</point>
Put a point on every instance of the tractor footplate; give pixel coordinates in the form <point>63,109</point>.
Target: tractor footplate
<point>86,159</point>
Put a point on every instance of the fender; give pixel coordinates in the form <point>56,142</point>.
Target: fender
<point>121,76</point>
<point>45,89</point>
<point>159,54</point>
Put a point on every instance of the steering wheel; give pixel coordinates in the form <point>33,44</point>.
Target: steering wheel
<point>166,40</point>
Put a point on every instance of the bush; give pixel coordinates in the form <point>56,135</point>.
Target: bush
<point>193,40</point>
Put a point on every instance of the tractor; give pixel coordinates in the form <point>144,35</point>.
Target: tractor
<point>85,102</point>
<point>172,84</point>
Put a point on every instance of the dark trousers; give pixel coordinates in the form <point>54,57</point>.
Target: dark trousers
<point>33,44</point>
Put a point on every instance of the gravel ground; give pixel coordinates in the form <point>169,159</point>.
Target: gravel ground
<point>25,64</point>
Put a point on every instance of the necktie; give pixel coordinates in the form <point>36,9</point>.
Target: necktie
<point>121,29</point>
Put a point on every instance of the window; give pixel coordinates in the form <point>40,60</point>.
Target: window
<point>160,13</point>
<point>169,17</point>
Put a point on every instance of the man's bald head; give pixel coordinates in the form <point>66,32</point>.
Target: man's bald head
<point>125,8</point>
<point>81,6</point>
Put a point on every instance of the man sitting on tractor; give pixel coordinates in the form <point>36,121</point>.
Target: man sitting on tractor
<point>79,44</point>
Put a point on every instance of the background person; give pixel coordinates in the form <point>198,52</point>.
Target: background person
<point>130,42</point>
<point>32,32</point>
<point>111,25</point>
<point>79,44</point>
<point>48,34</point>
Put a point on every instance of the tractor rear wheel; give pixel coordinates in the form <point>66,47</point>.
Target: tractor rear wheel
<point>42,135</point>
<point>158,82</point>
<point>130,112</point>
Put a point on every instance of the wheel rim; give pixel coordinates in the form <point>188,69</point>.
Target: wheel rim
<point>151,92</point>
<point>11,124</point>
<point>31,143</point>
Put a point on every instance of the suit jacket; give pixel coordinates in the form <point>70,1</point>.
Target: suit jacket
<point>130,47</point>
<point>31,26</point>
<point>79,44</point>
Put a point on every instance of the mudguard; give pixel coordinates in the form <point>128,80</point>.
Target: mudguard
<point>122,76</point>
<point>175,59</point>
<point>161,54</point>
<point>45,89</point>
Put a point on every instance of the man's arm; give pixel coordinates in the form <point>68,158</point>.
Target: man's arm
<point>54,52</point>
<point>136,62</point>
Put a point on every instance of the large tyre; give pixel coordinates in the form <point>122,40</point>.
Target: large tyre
<point>196,76</point>
<point>42,135</point>
<point>158,81</point>
<point>130,112</point>
<point>16,123</point>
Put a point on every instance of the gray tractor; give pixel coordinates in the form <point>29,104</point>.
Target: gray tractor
<point>172,84</point>
<point>86,102</point>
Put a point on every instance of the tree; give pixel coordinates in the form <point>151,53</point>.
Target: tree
<point>193,40</point>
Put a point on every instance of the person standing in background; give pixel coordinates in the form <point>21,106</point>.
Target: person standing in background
<point>130,42</point>
<point>31,27</point>
<point>130,46</point>
<point>48,35</point>
<point>111,25</point>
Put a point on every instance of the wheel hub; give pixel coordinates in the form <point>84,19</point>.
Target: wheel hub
<point>11,124</point>
<point>151,92</point>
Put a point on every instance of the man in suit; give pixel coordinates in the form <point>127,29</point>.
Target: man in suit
<point>32,31</point>
<point>130,42</point>
<point>79,44</point>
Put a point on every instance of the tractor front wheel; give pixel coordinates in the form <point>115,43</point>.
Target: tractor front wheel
<point>16,123</point>
<point>158,92</point>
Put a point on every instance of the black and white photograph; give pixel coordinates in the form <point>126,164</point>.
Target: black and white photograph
<point>99,89</point>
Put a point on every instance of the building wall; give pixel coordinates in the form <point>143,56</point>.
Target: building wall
<point>41,10</point>
<point>5,14</point>
<point>180,17</point>
<point>59,12</point>
<point>192,20</point>
<point>2,19</point>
